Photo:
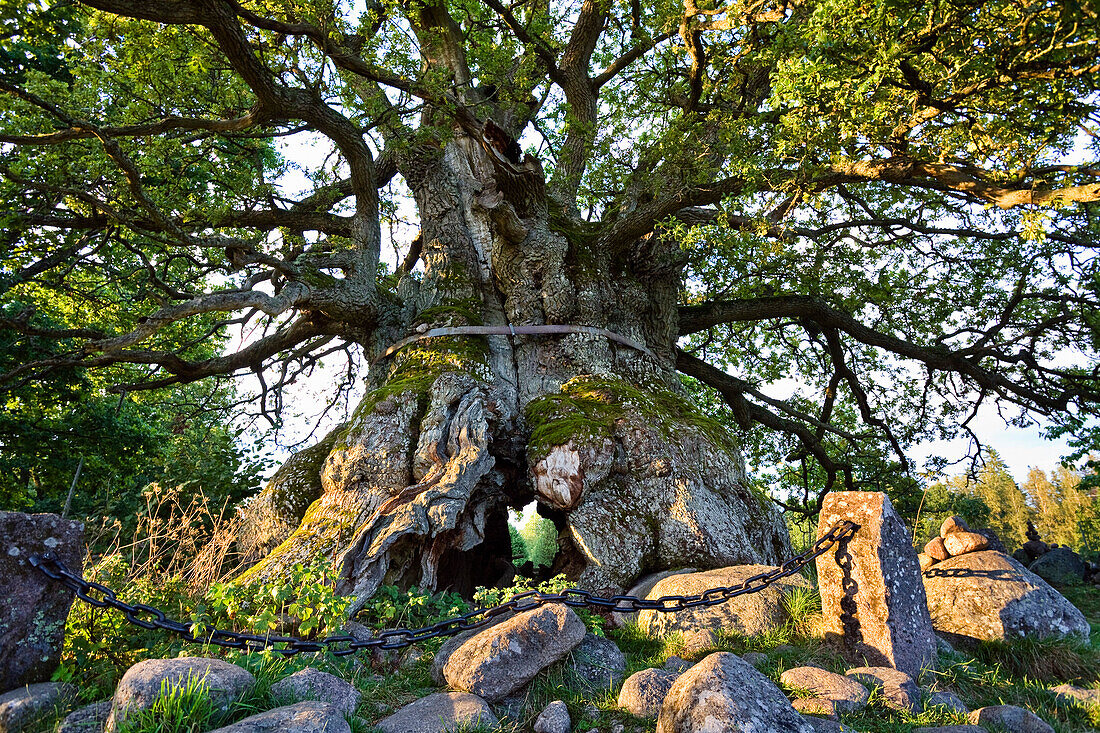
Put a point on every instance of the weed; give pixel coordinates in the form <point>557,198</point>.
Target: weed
<point>302,604</point>
<point>641,650</point>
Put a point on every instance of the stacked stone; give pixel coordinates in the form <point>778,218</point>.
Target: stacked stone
<point>1056,564</point>
<point>956,538</point>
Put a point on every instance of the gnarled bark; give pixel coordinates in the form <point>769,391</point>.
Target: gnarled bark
<point>417,485</point>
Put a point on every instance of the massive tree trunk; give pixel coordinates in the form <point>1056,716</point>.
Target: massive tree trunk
<point>416,487</point>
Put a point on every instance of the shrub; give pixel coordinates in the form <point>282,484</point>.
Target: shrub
<point>100,644</point>
<point>302,604</point>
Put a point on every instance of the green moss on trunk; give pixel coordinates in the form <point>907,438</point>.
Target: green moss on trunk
<point>416,369</point>
<point>588,408</point>
<point>465,312</point>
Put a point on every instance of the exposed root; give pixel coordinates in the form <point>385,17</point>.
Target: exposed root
<point>407,538</point>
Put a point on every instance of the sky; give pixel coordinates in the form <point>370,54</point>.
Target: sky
<point>1020,448</point>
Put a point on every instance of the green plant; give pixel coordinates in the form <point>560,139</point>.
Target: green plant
<point>303,604</point>
<point>392,607</point>
<point>641,649</point>
<point>183,708</point>
<point>801,603</point>
<point>100,645</point>
<point>879,717</point>
<point>485,597</point>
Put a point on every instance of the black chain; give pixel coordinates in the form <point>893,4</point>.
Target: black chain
<point>148,617</point>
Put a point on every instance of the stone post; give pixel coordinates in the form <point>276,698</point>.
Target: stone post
<point>32,616</point>
<point>872,595</point>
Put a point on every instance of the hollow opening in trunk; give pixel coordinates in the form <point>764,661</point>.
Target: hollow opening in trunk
<point>538,551</point>
<point>488,564</point>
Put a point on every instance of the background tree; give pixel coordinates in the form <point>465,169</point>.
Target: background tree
<point>995,488</point>
<point>1064,513</point>
<point>66,427</point>
<point>943,500</point>
<point>890,205</point>
<point>539,537</point>
<point>1056,506</point>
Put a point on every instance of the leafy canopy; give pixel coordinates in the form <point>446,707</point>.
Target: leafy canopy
<point>885,210</point>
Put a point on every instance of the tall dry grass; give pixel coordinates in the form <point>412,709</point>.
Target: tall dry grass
<point>179,533</point>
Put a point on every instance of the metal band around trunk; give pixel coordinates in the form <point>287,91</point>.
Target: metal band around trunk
<point>552,329</point>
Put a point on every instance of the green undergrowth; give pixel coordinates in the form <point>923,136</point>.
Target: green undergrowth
<point>100,645</point>
<point>1016,673</point>
<point>392,607</point>
<point>1043,660</point>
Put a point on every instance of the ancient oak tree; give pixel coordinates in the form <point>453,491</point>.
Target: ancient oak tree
<point>850,223</point>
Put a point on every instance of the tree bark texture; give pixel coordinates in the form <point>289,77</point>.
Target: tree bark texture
<point>416,487</point>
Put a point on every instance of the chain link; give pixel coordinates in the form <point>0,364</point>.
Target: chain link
<point>344,645</point>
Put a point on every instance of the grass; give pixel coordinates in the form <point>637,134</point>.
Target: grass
<point>1021,672</point>
<point>189,709</point>
<point>177,709</point>
<point>990,673</point>
<point>1087,600</point>
<point>1051,661</point>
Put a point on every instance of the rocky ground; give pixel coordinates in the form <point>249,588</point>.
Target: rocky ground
<point>543,671</point>
<point>1014,654</point>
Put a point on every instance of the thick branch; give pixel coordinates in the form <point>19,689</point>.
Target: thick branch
<point>169,12</point>
<point>972,182</point>
<point>733,392</point>
<point>580,92</point>
<point>644,219</point>
<point>696,318</point>
<point>182,370</point>
<point>153,128</point>
<point>631,55</point>
<point>545,53</point>
<point>291,297</point>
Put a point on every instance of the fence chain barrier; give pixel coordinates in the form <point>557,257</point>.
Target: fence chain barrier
<point>148,617</point>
